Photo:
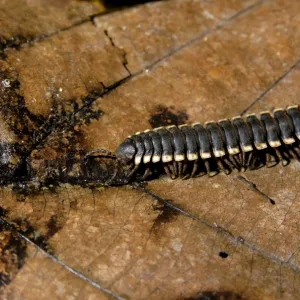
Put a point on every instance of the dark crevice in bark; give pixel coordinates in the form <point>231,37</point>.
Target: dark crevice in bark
<point>121,4</point>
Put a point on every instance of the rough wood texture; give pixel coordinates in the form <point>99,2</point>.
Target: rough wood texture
<point>87,82</point>
<point>23,21</point>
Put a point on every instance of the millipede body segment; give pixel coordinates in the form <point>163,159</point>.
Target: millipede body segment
<point>241,143</point>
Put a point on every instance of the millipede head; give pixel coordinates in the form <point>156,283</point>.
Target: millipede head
<point>126,151</point>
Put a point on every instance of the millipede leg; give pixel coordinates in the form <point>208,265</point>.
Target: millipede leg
<point>235,161</point>
<point>207,166</point>
<point>293,153</point>
<point>147,172</point>
<point>239,158</point>
<point>255,162</point>
<point>231,162</point>
<point>168,172</point>
<point>201,171</point>
<point>175,167</point>
<point>223,166</point>
<point>186,176</point>
<point>270,160</point>
<point>180,169</point>
<point>238,161</point>
<point>184,168</point>
<point>244,160</point>
<point>172,169</point>
<point>195,168</point>
<point>249,158</point>
<point>209,172</point>
<point>133,171</point>
<point>252,163</point>
<point>296,151</point>
<point>284,160</point>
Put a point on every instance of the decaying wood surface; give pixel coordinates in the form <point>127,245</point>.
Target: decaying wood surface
<point>72,80</point>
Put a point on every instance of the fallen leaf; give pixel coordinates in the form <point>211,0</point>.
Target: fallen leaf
<point>68,229</point>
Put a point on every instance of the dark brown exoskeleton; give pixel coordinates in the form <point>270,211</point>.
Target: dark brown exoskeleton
<point>240,143</point>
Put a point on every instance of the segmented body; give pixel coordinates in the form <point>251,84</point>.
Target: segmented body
<point>240,143</point>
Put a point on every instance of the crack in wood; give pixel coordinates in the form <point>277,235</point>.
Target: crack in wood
<point>272,86</point>
<point>122,51</point>
<point>19,42</point>
<point>252,186</point>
